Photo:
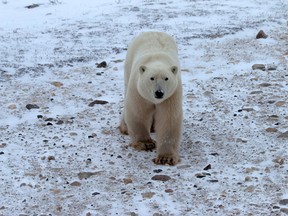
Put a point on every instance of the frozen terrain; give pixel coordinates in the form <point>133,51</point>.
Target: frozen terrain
<point>60,149</point>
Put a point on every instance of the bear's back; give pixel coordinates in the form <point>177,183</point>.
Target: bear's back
<point>153,42</point>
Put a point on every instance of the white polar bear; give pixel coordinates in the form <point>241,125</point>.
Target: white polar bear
<point>153,95</point>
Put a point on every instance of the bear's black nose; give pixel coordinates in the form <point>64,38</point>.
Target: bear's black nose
<point>159,94</point>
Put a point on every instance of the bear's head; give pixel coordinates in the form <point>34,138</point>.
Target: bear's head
<point>156,83</point>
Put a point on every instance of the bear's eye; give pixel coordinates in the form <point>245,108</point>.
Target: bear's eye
<point>166,79</point>
<point>152,78</point>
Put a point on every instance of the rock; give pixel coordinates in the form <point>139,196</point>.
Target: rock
<point>32,106</point>
<point>250,189</point>
<point>135,9</point>
<point>261,34</point>
<point>279,160</point>
<point>213,180</point>
<point>12,106</point>
<point>284,210</point>
<point>271,67</point>
<point>280,103</point>
<point>202,175</point>
<point>265,84</point>
<point>271,130</point>
<point>97,102</point>
<point>127,181</point>
<point>283,202</point>
<point>95,193</point>
<point>157,171</point>
<point>248,109</point>
<point>59,122</point>
<point>103,64</point>
<point>169,191</point>
<point>256,92</point>
<point>161,178</point>
<point>208,167</point>
<point>86,175</point>
<point>284,135</point>
<point>258,67</point>
<point>57,84</point>
<point>148,195</point>
<point>32,6</point>
<point>50,158</point>
<point>3,145</point>
<point>76,184</point>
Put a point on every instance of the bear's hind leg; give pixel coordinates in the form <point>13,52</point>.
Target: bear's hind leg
<point>123,127</point>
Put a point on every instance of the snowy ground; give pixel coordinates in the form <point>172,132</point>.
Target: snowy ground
<point>66,157</point>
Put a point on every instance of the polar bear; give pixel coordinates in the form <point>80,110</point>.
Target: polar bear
<point>153,96</point>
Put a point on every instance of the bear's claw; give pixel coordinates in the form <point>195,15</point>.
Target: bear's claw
<point>148,145</point>
<point>166,159</point>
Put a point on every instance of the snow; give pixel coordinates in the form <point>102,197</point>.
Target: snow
<point>229,109</point>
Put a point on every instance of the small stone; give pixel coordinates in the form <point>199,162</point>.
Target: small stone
<point>202,175</point>
<point>12,106</point>
<point>271,130</point>
<point>161,178</point>
<point>157,171</point>
<point>183,166</point>
<point>50,158</point>
<point>76,184</point>
<point>103,64</point>
<point>32,6</point>
<point>213,180</point>
<point>240,140</point>
<point>247,178</point>
<point>283,202</point>
<point>271,67</point>
<point>208,167</point>
<point>97,102</point>
<point>148,195</point>
<point>95,193</point>
<point>280,103</point>
<point>32,106</point>
<point>86,175</point>
<point>279,160</point>
<point>261,34</point>
<point>265,84</point>
<point>135,9</point>
<point>250,188</point>
<point>256,92</point>
<point>3,145</point>
<point>258,67</point>
<point>284,135</point>
<point>284,210</point>
<point>1,153</point>
<point>59,122</point>
<point>57,84</point>
<point>127,181</point>
<point>169,191</point>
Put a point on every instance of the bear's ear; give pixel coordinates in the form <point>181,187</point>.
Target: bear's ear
<point>142,69</point>
<point>174,69</point>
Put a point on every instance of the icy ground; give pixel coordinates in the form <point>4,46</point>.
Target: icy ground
<point>60,150</point>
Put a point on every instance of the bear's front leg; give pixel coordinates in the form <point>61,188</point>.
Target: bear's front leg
<point>139,131</point>
<point>168,131</point>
